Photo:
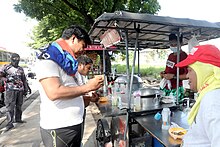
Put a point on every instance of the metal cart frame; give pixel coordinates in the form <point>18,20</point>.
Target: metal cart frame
<point>145,31</point>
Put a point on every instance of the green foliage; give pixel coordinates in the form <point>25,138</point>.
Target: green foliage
<point>55,15</point>
<point>144,71</point>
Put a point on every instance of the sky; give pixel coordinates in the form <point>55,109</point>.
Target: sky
<point>15,27</point>
<point>193,9</point>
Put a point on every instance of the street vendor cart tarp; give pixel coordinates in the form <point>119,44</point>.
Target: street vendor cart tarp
<point>153,30</point>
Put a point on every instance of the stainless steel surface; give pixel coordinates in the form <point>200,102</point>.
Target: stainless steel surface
<point>154,127</point>
<point>107,110</point>
<point>149,102</point>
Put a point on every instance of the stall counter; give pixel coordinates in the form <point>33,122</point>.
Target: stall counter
<point>153,127</point>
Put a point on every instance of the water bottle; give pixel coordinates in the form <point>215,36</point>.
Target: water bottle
<point>137,101</point>
<point>115,96</point>
<point>119,102</point>
<point>166,118</point>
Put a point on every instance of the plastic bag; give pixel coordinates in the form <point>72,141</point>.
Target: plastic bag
<point>176,132</point>
<point>192,42</point>
<point>165,82</point>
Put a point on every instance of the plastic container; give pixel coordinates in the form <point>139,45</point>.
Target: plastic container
<point>157,116</point>
<point>132,102</point>
<point>110,89</point>
<point>166,118</point>
<point>137,101</point>
<point>115,96</point>
<point>119,102</point>
<point>123,93</point>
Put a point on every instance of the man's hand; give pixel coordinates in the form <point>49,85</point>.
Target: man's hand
<point>95,83</point>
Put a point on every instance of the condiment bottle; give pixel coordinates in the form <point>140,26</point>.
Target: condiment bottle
<point>165,118</point>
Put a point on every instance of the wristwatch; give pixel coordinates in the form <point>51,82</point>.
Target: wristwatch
<point>174,77</point>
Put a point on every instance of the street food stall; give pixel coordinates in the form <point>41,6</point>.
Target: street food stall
<point>120,125</point>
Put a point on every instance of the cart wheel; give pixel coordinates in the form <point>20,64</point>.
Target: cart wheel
<point>103,133</point>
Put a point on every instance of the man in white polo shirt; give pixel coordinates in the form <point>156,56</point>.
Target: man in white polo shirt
<point>62,106</point>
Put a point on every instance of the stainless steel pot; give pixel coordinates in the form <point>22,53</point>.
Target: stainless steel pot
<point>150,97</point>
<point>150,92</point>
<point>150,102</point>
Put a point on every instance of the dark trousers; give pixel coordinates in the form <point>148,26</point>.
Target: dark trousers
<point>13,103</point>
<point>62,137</point>
<point>2,99</point>
<point>83,123</point>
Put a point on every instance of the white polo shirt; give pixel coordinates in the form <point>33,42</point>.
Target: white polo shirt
<point>62,112</point>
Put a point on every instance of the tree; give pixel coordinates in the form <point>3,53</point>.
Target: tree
<point>55,15</point>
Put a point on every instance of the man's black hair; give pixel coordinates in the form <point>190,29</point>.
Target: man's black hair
<point>174,37</point>
<point>84,59</point>
<point>79,32</point>
<point>13,55</point>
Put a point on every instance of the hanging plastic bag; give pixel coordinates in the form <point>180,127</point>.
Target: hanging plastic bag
<point>165,82</point>
<point>192,42</point>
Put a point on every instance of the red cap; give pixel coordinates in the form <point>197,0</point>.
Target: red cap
<point>203,53</point>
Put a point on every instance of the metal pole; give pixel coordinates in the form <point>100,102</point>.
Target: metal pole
<point>130,91</point>
<point>138,60</point>
<point>105,78</point>
<point>177,72</point>
<point>128,71</point>
<point>128,88</point>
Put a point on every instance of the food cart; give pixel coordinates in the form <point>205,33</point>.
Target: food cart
<point>142,31</point>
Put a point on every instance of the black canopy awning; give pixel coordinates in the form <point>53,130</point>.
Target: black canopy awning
<point>153,30</point>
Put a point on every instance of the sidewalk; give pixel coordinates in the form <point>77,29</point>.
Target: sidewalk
<point>28,134</point>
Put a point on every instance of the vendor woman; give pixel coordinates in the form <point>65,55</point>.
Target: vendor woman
<point>204,78</point>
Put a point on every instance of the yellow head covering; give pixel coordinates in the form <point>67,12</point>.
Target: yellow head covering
<point>208,78</point>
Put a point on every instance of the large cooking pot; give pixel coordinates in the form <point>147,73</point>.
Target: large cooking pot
<point>122,82</point>
<point>150,97</point>
<point>150,92</point>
